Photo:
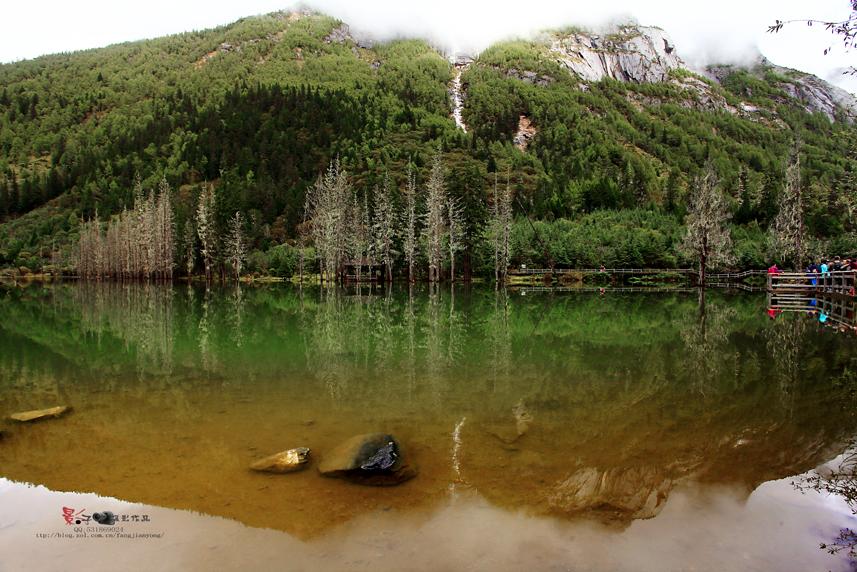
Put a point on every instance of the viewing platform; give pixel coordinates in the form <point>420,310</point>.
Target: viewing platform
<point>840,283</point>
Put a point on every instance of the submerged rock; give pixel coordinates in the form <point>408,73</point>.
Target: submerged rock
<point>37,414</point>
<point>384,458</point>
<point>523,419</point>
<point>375,459</point>
<point>284,461</point>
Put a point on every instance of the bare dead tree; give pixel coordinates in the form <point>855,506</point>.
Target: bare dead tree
<point>384,227</point>
<point>435,227</point>
<point>356,239</point>
<point>495,231</point>
<point>501,228</point>
<point>135,244</point>
<point>165,231</point>
<point>326,205</point>
<point>147,237</point>
<point>189,240</point>
<point>311,207</point>
<point>506,226</point>
<point>707,237</point>
<point>367,234</point>
<point>237,246</point>
<point>787,232</point>
<point>205,228</point>
<point>455,220</point>
<point>341,191</point>
<point>302,236</point>
<point>410,222</point>
<point>113,246</point>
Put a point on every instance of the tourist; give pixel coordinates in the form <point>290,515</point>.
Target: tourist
<point>774,270</point>
<point>837,264</point>
<point>812,271</point>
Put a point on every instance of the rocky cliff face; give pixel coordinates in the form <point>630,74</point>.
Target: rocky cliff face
<point>642,54</point>
<point>638,54</point>
<point>814,93</point>
<point>818,95</point>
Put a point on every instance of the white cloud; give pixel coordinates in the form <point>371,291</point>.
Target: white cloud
<point>728,31</point>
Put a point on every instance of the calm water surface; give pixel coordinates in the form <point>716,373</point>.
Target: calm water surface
<point>550,431</point>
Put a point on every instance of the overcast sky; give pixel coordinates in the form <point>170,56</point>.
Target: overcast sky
<point>726,31</point>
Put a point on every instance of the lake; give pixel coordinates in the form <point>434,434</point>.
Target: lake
<point>615,430</point>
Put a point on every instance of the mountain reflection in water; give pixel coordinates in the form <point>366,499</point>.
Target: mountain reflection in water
<point>705,529</point>
<point>567,406</point>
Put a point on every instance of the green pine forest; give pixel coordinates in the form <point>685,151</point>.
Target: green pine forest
<point>259,109</point>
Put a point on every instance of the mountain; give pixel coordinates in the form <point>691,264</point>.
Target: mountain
<point>601,135</point>
<point>647,55</point>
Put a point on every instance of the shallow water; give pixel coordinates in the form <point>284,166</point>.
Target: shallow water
<point>592,417</point>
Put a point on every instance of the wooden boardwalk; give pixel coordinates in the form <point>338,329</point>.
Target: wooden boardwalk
<point>606,290</point>
<point>836,283</point>
<point>607,271</point>
<point>717,277</point>
<point>715,280</point>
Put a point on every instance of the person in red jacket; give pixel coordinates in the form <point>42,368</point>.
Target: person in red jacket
<point>773,269</point>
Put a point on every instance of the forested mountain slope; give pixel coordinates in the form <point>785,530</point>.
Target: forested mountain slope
<point>604,131</point>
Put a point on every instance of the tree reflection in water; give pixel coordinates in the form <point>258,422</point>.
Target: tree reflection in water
<point>705,342</point>
<point>141,315</point>
<point>786,345</point>
<point>573,403</point>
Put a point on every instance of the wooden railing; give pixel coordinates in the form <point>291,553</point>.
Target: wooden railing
<point>607,290</point>
<point>734,285</point>
<point>716,277</point>
<point>841,282</point>
<point>726,276</point>
<point>543,271</point>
